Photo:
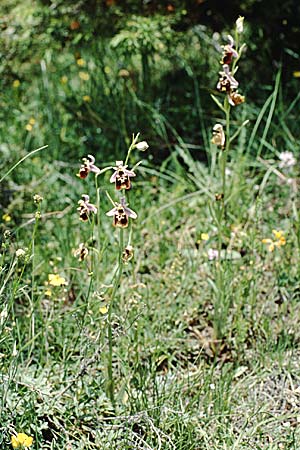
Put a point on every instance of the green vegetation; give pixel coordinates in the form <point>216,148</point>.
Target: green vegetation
<point>180,330</point>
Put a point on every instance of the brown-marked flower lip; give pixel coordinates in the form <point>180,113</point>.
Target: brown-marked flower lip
<point>121,212</point>
<point>218,136</point>
<point>234,98</point>
<point>121,176</point>
<point>85,208</point>
<point>229,52</point>
<point>88,166</point>
<point>127,254</point>
<point>226,82</point>
<point>81,252</point>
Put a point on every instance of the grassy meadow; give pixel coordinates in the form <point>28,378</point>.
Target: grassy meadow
<point>173,321</point>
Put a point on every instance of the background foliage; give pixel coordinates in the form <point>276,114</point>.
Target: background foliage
<point>147,62</point>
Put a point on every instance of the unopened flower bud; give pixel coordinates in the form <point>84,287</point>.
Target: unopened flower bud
<point>142,146</point>
<point>37,198</point>
<point>240,24</point>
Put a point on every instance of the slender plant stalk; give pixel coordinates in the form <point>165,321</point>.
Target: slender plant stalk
<point>21,160</point>
<point>110,384</point>
<point>221,305</point>
<point>32,252</point>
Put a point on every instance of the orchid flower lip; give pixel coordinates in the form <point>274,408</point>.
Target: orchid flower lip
<point>88,166</point>
<point>121,212</point>
<point>121,176</point>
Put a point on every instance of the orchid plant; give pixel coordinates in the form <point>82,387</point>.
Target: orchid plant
<point>121,213</point>
<point>228,85</point>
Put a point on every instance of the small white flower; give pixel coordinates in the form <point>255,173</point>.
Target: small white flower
<point>142,146</point>
<point>240,24</point>
<point>212,254</point>
<point>20,253</point>
<point>287,159</point>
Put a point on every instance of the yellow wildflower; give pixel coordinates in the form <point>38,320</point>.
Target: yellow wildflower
<point>80,62</point>
<point>270,244</point>
<point>28,127</point>
<point>48,293</point>
<point>56,280</point>
<point>6,217</point>
<point>16,84</point>
<point>103,309</point>
<point>31,121</point>
<point>107,70</point>
<point>64,79</point>
<point>204,236</point>
<point>21,440</point>
<point>278,241</point>
<point>296,74</point>
<point>86,98</point>
<point>84,76</point>
<point>277,234</point>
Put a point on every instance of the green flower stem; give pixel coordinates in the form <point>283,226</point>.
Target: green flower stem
<point>132,146</point>
<point>110,383</point>
<point>220,304</point>
<point>98,228</point>
<point>28,155</point>
<point>116,284</point>
<point>32,251</point>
